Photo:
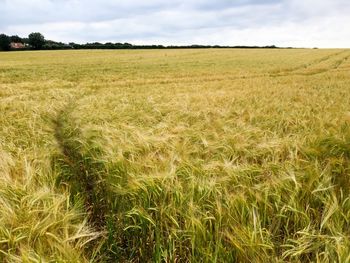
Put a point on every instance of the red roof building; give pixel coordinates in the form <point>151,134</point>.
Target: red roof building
<point>18,45</point>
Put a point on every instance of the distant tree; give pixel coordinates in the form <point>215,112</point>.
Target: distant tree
<point>36,40</point>
<point>25,40</point>
<point>74,45</point>
<point>16,39</point>
<point>5,42</point>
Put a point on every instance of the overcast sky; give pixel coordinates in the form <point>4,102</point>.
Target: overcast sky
<point>299,23</point>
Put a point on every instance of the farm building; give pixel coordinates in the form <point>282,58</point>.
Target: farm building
<point>17,45</point>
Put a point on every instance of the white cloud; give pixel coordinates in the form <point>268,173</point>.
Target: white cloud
<point>301,23</point>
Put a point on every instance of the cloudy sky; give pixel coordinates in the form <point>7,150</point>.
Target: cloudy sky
<point>299,23</point>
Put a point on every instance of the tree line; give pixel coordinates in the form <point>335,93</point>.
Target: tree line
<point>37,41</point>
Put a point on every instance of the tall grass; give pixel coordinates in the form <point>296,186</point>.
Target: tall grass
<point>188,156</point>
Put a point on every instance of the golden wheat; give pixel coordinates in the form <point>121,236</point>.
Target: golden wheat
<point>220,155</point>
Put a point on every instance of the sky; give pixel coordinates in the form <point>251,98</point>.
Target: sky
<point>284,23</point>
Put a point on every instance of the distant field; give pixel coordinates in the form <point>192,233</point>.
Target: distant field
<point>217,155</point>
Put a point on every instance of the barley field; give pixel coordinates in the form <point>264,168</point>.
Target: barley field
<point>197,155</point>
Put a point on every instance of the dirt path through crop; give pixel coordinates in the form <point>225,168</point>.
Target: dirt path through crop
<point>79,168</point>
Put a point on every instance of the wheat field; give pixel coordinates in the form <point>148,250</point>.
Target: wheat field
<point>197,155</point>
